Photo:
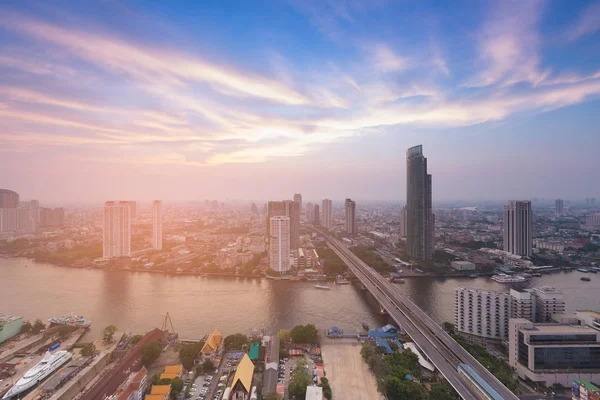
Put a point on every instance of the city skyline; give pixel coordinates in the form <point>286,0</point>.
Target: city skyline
<point>249,105</point>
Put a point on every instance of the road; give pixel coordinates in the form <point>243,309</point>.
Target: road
<point>443,351</point>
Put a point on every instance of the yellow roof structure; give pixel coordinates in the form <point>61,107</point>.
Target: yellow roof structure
<point>174,369</point>
<point>156,397</point>
<point>213,342</point>
<point>161,389</point>
<point>244,373</point>
<point>164,375</point>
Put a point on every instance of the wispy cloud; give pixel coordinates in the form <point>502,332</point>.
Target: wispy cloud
<point>588,22</point>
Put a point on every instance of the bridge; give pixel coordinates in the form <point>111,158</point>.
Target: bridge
<point>443,351</point>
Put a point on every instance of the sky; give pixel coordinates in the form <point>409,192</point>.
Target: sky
<point>194,100</point>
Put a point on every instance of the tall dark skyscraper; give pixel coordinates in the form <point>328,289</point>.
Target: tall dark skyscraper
<point>298,201</point>
<point>9,199</point>
<point>286,208</point>
<point>518,228</point>
<point>350,207</point>
<point>558,206</point>
<point>420,221</point>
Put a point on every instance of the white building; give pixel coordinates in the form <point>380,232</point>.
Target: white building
<point>589,318</point>
<point>314,393</point>
<point>593,220</point>
<point>117,230</point>
<point>462,265</point>
<point>554,353</point>
<point>481,313</point>
<point>279,244</point>
<point>350,207</point>
<point>522,304</point>
<point>403,222</point>
<point>518,228</point>
<point>157,225</point>
<point>326,222</point>
<point>548,301</point>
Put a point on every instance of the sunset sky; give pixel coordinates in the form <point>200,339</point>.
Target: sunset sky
<point>261,99</point>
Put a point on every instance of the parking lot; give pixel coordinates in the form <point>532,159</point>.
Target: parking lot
<point>201,387</point>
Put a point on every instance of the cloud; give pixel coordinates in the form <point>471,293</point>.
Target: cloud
<point>385,60</point>
<point>587,23</point>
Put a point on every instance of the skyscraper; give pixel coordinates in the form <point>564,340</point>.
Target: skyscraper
<point>298,201</point>
<point>350,207</point>
<point>316,215</point>
<point>157,225</point>
<point>420,221</point>
<point>253,209</point>
<point>117,230</point>
<point>287,208</point>
<point>132,207</point>
<point>403,222</point>
<point>9,199</point>
<point>558,206</point>
<point>309,210</point>
<point>518,228</point>
<point>326,222</point>
<point>279,243</point>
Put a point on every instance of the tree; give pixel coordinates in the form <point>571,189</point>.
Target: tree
<point>442,391</point>
<point>397,389</point>
<point>164,381</point>
<point>150,353</point>
<point>208,366</point>
<point>326,388</point>
<point>177,384</point>
<point>188,353</point>
<point>135,338</point>
<point>65,330</point>
<point>284,335</point>
<point>109,332</point>
<point>448,327</point>
<point>187,362</point>
<point>304,334</point>
<point>88,349</point>
<point>38,326</point>
<point>26,327</point>
<point>236,341</point>
<point>272,396</point>
<point>298,383</point>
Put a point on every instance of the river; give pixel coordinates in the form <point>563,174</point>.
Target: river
<point>138,301</point>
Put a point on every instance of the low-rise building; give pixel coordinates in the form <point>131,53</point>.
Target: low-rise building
<point>241,385</point>
<point>9,326</point>
<point>215,339</point>
<point>314,393</point>
<point>133,388</point>
<point>584,390</point>
<point>588,318</point>
<point>462,265</point>
<point>553,353</point>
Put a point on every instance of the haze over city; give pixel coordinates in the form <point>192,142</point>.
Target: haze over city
<point>256,100</point>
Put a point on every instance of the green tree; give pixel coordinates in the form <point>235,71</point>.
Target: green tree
<point>164,381</point>
<point>65,330</point>
<point>150,353</point>
<point>326,388</point>
<point>305,334</point>
<point>298,383</point>
<point>272,396</point>
<point>284,335</point>
<point>177,384</point>
<point>88,349</point>
<point>187,362</point>
<point>236,341</point>
<point>38,326</point>
<point>135,338</point>
<point>188,353</point>
<point>109,332</point>
<point>27,327</point>
<point>397,389</point>
<point>208,366</point>
<point>448,327</point>
<point>442,391</point>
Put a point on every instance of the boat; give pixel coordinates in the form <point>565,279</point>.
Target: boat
<point>365,325</point>
<point>536,274</point>
<point>323,287</point>
<point>585,270</point>
<point>50,363</point>
<point>76,321</point>
<point>585,278</point>
<point>473,276</point>
<point>340,280</point>
<point>503,278</point>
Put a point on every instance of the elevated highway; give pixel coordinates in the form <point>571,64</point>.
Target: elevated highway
<point>443,351</point>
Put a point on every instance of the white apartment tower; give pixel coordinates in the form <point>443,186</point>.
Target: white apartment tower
<point>279,244</point>
<point>117,230</point>
<point>548,301</point>
<point>157,225</point>
<point>326,221</point>
<point>518,228</point>
<point>482,313</point>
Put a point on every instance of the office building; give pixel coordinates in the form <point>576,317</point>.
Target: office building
<point>9,199</point>
<point>132,207</point>
<point>420,221</point>
<point>316,215</point>
<point>548,301</point>
<point>279,244</point>
<point>298,201</point>
<point>403,222</point>
<point>482,315</point>
<point>117,230</point>
<point>590,201</point>
<point>287,208</point>
<point>327,214</point>
<point>309,212</point>
<point>157,225</point>
<point>558,206</point>
<point>350,207</point>
<point>518,228</point>
<point>554,353</point>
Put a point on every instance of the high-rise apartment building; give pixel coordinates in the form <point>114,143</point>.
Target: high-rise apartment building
<point>157,225</point>
<point>316,215</point>
<point>403,222</point>
<point>327,214</point>
<point>279,243</point>
<point>482,313</point>
<point>522,304</point>
<point>518,228</point>
<point>309,212</point>
<point>287,208</point>
<point>420,221</point>
<point>350,207</point>
<point>548,301</point>
<point>9,199</point>
<point>298,201</point>
<point>558,206</point>
<point>593,220</point>
<point>132,207</point>
<point>117,230</point>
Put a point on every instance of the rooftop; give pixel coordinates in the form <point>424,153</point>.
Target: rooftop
<point>314,393</point>
<point>5,318</point>
<point>559,329</point>
<point>589,313</point>
<point>244,373</point>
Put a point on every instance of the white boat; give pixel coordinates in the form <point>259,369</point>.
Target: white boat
<point>76,321</point>
<point>503,278</point>
<point>323,287</point>
<point>50,363</point>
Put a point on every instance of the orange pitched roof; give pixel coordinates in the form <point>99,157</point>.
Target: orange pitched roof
<point>156,397</point>
<point>174,369</point>
<point>244,373</point>
<point>161,389</point>
<point>213,342</point>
